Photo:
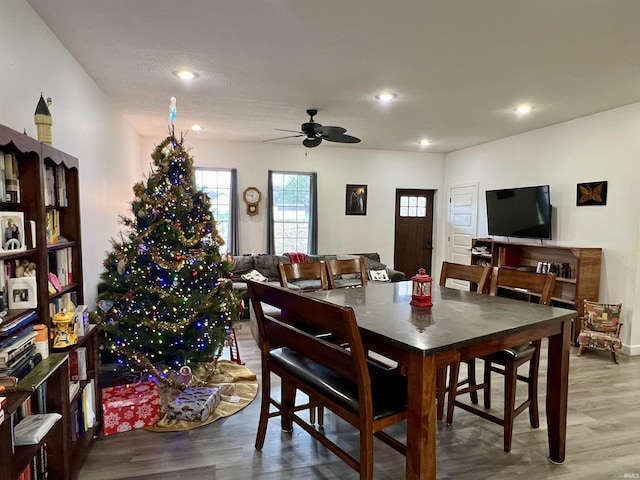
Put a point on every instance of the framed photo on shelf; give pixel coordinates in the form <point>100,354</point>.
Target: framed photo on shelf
<point>22,292</point>
<point>12,225</point>
<point>356,201</point>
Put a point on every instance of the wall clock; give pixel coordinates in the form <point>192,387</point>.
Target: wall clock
<point>252,197</point>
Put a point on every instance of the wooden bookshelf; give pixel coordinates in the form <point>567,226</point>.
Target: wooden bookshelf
<point>42,200</point>
<point>579,279</point>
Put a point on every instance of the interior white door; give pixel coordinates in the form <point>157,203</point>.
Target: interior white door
<point>463,216</point>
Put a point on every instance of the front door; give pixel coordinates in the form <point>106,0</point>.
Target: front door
<point>413,231</point>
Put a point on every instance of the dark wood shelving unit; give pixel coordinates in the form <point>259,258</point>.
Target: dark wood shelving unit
<point>65,454</point>
<point>569,292</point>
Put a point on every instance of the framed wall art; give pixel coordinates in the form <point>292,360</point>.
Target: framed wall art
<point>356,200</point>
<point>12,224</point>
<point>593,193</point>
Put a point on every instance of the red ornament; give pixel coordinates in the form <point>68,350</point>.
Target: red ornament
<point>194,273</point>
<point>178,257</point>
<point>421,289</point>
<point>178,223</point>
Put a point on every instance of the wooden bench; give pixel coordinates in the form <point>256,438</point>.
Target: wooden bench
<point>336,377</point>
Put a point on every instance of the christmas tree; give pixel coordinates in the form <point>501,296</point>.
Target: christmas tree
<point>165,297</point>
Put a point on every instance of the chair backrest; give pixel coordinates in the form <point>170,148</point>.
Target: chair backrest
<point>350,266</point>
<point>470,273</point>
<point>289,272</point>
<point>602,317</point>
<point>300,314</point>
<point>541,284</point>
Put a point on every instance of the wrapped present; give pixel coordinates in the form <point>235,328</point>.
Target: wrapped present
<point>126,407</point>
<point>194,404</point>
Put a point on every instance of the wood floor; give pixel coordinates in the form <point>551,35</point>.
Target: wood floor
<point>603,439</point>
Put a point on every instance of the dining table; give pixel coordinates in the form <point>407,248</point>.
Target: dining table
<point>460,326</point>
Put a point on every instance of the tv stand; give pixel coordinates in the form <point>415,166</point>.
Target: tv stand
<point>578,269</point>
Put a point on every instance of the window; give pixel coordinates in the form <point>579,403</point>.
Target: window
<point>413,206</point>
<point>219,184</point>
<point>292,212</point>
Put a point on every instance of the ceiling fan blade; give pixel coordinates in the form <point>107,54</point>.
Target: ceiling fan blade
<point>282,138</point>
<point>312,142</point>
<point>283,130</point>
<point>343,139</point>
<point>327,132</point>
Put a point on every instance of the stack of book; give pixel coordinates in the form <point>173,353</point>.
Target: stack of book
<point>18,355</point>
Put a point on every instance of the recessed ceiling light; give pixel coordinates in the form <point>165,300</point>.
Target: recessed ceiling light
<point>196,128</point>
<point>523,109</point>
<point>386,96</point>
<point>425,142</point>
<point>186,74</point>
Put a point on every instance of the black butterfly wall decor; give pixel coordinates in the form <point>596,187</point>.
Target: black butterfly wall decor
<point>594,193</point>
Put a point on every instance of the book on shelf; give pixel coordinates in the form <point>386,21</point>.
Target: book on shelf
<point>11,178</point>
<point>21,356</point>
<point>49,186</point>
<point>12,345</point>
<point>8,326</point>
<point>78,364</point>
<point>53,226</point>
<point>3,190</point>
<point>33,428</point>
<point>61,186</point>
<point>89,404</point>
<point>21,369</point>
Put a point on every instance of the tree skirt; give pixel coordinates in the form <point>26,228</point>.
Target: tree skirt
<point>238,387</point>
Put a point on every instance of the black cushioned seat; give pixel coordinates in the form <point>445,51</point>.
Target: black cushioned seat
<point>389,388</point>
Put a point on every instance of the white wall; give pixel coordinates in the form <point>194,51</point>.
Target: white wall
<point>381,171</point>
<point>599,147</point>
<point>85,125</point>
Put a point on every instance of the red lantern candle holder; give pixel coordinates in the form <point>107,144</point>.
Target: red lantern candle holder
<point>421,289</point>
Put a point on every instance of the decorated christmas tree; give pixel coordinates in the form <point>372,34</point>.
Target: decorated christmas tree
<point>165,297</point>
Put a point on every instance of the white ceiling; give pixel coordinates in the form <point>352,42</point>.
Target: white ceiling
<point>459,67</point>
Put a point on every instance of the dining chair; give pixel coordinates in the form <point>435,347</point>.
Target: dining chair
<point>600,328</point>
<point>535,286</point>
<point>478,278</point>
<point>305,276</point>
<point>345,273</point>
<point>368,397</point>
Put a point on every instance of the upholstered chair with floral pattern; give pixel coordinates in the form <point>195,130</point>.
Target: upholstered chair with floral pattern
<point>600,328</point>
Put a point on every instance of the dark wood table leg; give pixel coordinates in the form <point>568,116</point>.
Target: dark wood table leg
<point>421,418</point>
<point>557,389</point>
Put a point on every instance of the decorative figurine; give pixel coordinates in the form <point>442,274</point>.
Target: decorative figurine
<point>44,120</point>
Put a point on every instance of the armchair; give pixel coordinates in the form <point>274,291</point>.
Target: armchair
<point>600,328</point>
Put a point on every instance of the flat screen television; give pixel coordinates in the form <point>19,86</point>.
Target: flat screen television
<point>523,212</point>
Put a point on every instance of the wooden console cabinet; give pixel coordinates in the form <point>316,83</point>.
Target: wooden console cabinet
<point>579,268</point>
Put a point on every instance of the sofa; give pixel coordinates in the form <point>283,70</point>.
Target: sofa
<point>267,266</point>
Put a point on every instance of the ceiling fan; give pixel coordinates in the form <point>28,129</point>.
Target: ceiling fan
<point>315,133</point>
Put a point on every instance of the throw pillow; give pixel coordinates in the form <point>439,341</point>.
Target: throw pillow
<point>378,276</point>
<point>372,264</point>
<point>298,257</point>
<point>254,276</point>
